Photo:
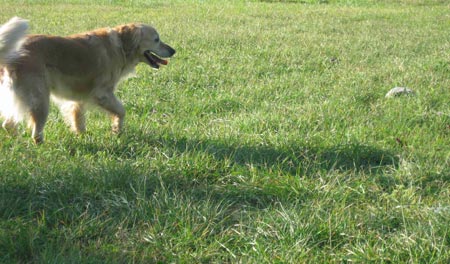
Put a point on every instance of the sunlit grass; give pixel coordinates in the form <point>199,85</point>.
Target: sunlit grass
<point>268,138</point>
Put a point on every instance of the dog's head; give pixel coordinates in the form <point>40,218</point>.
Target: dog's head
<point>142,43</point>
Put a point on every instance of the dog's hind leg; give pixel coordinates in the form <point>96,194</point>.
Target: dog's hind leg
<point>9,109</point>
<point>38,101</point>
<point>110,103</point>
<point>37,122</point>
<point>78,118</point>
<point>10,125</point>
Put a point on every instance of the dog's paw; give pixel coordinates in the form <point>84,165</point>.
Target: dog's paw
<point>116,129</point>
<point>38,139</point>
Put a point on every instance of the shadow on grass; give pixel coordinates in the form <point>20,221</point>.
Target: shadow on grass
<point>295,159</point>
<point>292,160</point>
<point>67,196</point>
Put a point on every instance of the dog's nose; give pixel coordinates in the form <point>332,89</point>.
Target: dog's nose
<point>172,52</point>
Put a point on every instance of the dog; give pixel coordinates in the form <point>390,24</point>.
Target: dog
<point>76,71</point>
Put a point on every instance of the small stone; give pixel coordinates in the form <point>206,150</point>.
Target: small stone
<point>397,91</point>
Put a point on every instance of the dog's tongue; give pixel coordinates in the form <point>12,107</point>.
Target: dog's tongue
<point>164,62</point>
<point>159,60</point>
<point>154,60</point>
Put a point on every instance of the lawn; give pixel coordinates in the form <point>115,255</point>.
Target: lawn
<point>267,139</point>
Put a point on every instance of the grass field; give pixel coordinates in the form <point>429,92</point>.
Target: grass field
<point>267,139</point>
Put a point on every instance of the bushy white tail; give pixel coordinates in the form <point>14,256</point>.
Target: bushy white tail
<point>11,35</point>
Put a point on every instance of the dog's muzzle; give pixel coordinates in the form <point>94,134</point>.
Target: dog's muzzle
<point>154,60</point>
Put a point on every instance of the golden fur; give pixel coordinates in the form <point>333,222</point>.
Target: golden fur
<point>76,70</point>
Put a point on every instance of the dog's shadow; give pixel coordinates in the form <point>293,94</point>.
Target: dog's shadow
<point>293,160</point>
<point>75,193</point>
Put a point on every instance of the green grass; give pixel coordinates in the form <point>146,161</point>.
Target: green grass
<point>267,139</point>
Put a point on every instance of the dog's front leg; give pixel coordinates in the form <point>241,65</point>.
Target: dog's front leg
<point>74,115</point>
<point>110,103</point>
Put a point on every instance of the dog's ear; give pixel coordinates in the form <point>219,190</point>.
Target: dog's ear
<point>130,35</point>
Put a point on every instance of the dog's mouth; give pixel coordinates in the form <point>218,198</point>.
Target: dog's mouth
<point>154,60</point>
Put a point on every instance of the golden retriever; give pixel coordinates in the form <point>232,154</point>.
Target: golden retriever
<point>76,70</point>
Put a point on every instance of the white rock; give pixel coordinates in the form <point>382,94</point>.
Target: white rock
<point>397,91</point>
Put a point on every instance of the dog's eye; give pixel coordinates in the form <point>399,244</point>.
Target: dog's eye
<point>157,40</point>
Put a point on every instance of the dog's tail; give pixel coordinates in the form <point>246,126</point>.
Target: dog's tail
<point>12,34</point>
